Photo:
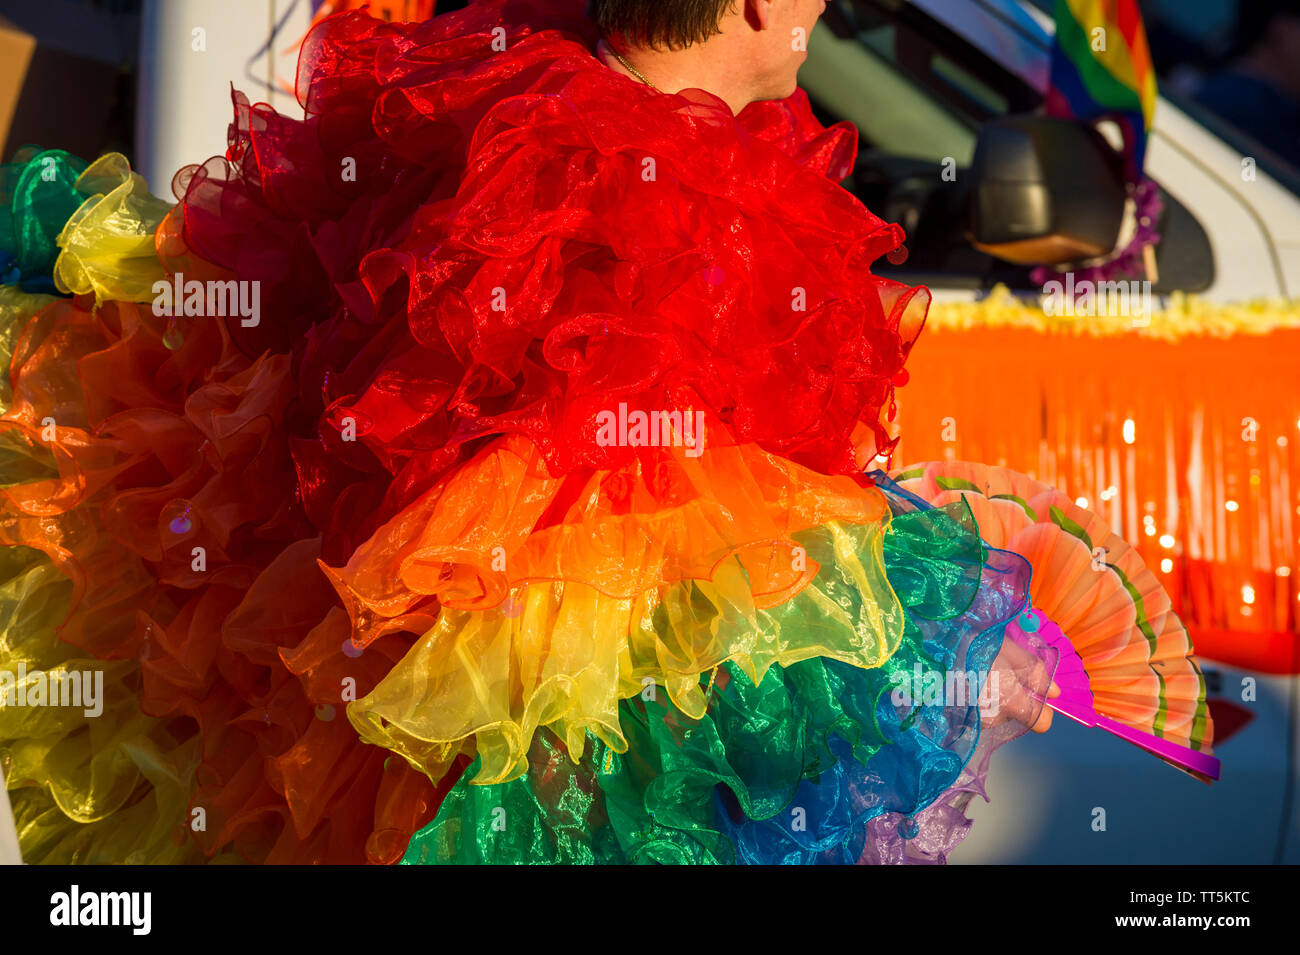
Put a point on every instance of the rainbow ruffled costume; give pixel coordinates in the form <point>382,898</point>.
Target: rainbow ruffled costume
<point>387,568</point>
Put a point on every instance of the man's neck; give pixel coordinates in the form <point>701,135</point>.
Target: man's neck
<point>700,66</point>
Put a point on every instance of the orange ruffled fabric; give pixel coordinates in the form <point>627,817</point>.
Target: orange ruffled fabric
<point>100,782</point>
<point>158,480</point>
<point>502,520</point>
<point>561,596</point>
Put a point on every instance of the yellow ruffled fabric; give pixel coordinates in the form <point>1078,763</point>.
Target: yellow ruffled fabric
<point>561,654</point>
<point>16,307</point>
<point>1185,315</point>
<point>107,247</point>
<point>112,787</point>
<point>108,787</point>
<point>545,601</point>
<point>147,830</point>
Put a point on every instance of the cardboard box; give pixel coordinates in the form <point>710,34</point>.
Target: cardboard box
<point>53,99</point>
<point>16,49</point>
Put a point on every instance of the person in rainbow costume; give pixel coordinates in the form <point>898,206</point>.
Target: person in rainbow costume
<point>528,521</point>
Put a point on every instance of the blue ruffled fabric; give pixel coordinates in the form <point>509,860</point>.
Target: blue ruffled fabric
<point>927,746</point>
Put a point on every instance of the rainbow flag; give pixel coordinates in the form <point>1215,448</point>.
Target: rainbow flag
<point>1101,68</point>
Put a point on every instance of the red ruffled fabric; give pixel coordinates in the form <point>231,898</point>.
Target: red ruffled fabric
<point>463,242</point>
<point>457,243</point>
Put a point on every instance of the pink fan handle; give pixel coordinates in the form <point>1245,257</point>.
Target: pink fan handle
<point>1076,700</point>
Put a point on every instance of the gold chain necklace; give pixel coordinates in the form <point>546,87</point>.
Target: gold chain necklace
<point>630,68</point>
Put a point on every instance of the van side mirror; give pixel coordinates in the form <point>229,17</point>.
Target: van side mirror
<point>1045,191</point>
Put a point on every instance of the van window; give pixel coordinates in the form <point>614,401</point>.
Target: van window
<point>918,92</point>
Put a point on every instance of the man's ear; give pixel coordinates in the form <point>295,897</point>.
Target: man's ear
<point>760,13</point>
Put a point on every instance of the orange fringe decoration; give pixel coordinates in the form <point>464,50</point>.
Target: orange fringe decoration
<point>1188,449</point>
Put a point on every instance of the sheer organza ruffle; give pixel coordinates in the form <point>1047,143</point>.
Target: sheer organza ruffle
<point>463,253</point>
<point>523,565</point>
<point>818,762</point>
<point>150,463</point>
<point>563,654</point>
<point>469,242</point>
<point>95,780</point>
<point>38,193</point>
<point>16,308</point>
<point>107,246</point>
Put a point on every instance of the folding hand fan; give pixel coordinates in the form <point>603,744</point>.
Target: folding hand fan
<point>1126,660</point>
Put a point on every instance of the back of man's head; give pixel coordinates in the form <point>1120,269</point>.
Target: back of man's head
<point>674,24</point>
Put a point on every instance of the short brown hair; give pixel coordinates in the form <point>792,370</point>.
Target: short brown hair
<point>671,23</point>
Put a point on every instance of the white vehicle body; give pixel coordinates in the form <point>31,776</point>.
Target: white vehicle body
<point>9,854</point>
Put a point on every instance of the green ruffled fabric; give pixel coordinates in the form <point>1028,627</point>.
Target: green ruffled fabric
<point>38,196</point>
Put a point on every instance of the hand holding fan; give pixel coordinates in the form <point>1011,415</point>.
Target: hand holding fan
<point>1126,661</point>
<point>1076,701</point>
